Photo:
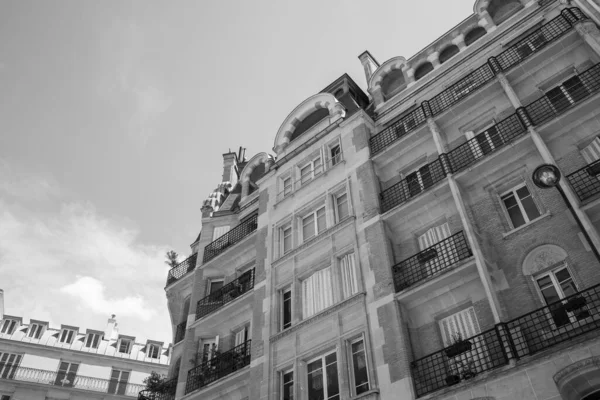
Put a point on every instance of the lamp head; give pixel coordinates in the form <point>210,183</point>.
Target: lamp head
<point>546,176</point>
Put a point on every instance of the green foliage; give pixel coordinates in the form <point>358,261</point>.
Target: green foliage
<point>171,256</point>
<point>155,382</point>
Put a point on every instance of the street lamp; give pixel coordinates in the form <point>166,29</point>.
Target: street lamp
<point>547,176</point>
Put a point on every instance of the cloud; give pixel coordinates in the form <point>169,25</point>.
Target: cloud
<point>25,186</point>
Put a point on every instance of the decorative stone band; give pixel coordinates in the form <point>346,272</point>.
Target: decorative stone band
<point>574,380</point>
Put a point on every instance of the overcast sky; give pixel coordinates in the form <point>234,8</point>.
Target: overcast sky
<point>114,116</point>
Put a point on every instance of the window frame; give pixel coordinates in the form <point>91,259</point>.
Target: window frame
<point>211,281</point>
<point>567,95</point>
<point>120,344</point>
<point>7,328</point>
<point>513,191</point>
<point>312,161</point>
<point>36,328</point>
<point>282,236</point>
<point>356,274</point>
<point>287,189</point>
<point>336,198</point>
<point>67,335</point>
<point>314,214</point>
<point>282,299</point>
<point>352,374</point>
<point>8,365</point>
<point>92,337</point>
<point>303,298</point>
<point>324,365</point>
<point>283,383</point>
<point>157,349</point>
<point>120,386</point>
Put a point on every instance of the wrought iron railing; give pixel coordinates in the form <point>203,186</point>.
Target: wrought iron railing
<point>463,88</point>
<point>231,238</point>
<point>180,332</point>
<point>586,181</point>
<point>166,391</point>
<point>226,294</point>
<point>430,262</point>
<point>181,269</point>
<point>413,184</point>
<point>569,93</point>
<point>531,333</point>
<point>25,374</point>
<point>218,366</point>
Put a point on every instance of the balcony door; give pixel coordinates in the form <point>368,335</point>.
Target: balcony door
<point>439,256</point>
<point>66,374</point>
<point>118,382</point>
<point>209,347</point>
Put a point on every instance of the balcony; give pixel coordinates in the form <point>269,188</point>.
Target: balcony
<point>586,181</point>
<point>54,378</point>
<point>467,85</point>
<point>226,294</point>
<point>219,366</point>
<point>180,332</point>
<point>231,238</point>
<point>520,338</point>
<point>165,392</point>
<point>430,262</point>
<point>181,269</point>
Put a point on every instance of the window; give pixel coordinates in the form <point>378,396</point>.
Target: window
<point>310,170</point>
<point>359,366</point>
<point>9,326</point>
<point>316,292</point>
<point>349,277</point>
<point>8,365</point>
<point>486,141</point>
<point>531,45</point>
<point>66,336</point>
<point>341,207</point>
<point>286,239</point>
<point>5,397</point>
<point>335,152</point>
<point>323,378</point>
<point>464,87</point>
<point>419,180</point>
<point>240,337</point>
<point>118,382</point>
<point>219,231</point>
<point>35,331</point>
<point>124,346</point>
<point>66,374</point>
<point>313,224</point>
<point>591,152</point>
<point>214,285</point>
<point>287,385</point>
<point>287,186</point>
<point>286,308</point>
<point>437,253</point>
<point>208,349</point>
<point>405,125</point>
<point>92,340</point>
<point>555,286</point>
<point>520,206</point>
<point>569,92</point>
<point>463,323</point>
<point>153,351</point>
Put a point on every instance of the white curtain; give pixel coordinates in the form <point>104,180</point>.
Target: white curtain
<point>317,292</point>
<point>349,277</point>
<point>591,152</point>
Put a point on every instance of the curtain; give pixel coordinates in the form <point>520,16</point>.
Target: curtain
<point>316,292</point>
<point>349,277</point>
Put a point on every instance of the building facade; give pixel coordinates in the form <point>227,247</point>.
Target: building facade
<point>39,362</point>
<point>396,246</point>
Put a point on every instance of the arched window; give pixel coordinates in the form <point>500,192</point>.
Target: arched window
<point>448,53</point>
<point>392,83</point>
<point>501,10</point>
<point>474,34</point>
<point>423,70</point>
<point>309,121</point>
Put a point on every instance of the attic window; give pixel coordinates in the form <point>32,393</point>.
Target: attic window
<point>92,340</point>
<point>124,346</point>
<point>423,70</point>
<point>501,10</point>
<point>474,34</point>
<point>153,351</point>
<point>448,53</point>
<point>66,336</point>
<point>35,331</point>
<point>8,326</point>
<point>310,121</point>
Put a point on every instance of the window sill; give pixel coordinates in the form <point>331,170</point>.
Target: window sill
<point>366,395</point>
<point>510,233</point>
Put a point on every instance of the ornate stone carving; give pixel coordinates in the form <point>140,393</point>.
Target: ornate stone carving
<point>542,257</point>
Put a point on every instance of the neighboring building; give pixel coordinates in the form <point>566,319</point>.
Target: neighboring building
<point>39,362</point>
<point>395,246</point>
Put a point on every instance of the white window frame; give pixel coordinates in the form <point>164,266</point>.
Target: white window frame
<point>240,336</point>
<point>67,335</point>
<point>287,189</point>
<point>219,231</point>
<point>333,160</point>
<point>129,345</point>
<point>153,351</point>
<point>283,373</point>
<point>311,165</point>
<point>9,361</point>
<point>119,381</point>
<point>351,354</point>
<point>90,338</point>
<point>336,199</point>
<point>556,284</point>
<point>35,330</point>
<point>324,373</point>
<point>9,326</point>
<point>513,191</point>
<point>314,214</point>
<point>282,236</point>
<point>282,293</point>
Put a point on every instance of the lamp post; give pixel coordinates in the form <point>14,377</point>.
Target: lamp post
<point>547,176</point>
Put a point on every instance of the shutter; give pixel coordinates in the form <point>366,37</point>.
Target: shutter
<point>463,323</point>
<point>591,152</point>
<point>220,231</point>
<point>240,337</point>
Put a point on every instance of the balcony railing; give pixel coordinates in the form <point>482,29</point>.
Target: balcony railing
<point>181,269</point>
<point>524,336</point>
<point>231,238</point>
<point>431,261</point>
<point>586,181</point>
<point>32,375</point>
<point>412,185</point>
<point>180,332</point>
<point>218,367</point>
<point>514,55</point>
<point>226,294</point>
<point>565,96</point>
<point>166,391</point>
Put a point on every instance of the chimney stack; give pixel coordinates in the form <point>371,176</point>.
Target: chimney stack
<point>1,304</point>
<point>369,63</point>
<point>229,168</point>
<point>111,331</point>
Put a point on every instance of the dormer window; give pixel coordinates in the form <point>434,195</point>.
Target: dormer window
<point>153,351</point>
<point>125,346</point>
<point>66,336</point>
<point>8,326</point>
<point>92,340</point>
<point>35,331</point>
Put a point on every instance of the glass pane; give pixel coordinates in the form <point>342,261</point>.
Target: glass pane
<point>530,208</point>
<point>316,390</point>
<point>568,288</point>
<point>321,222</point>
<point>484,143</point>
<point>562,275</point>
<point>288,386</point>
<point>558,99</point>
<point>515,216</point>
<point>575,88</point>
<point>214,286</point>
<point>550,294</point>
<point>287,309</point>
<point>308,227</point>
<point>361,379</point>
<point>333,388</point>
<point>509,201</point>
<point>342,203</point>
<point>544,281</point>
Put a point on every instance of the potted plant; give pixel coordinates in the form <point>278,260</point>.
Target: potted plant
<point>427,255</point>
<point>452,376</point>
<point>459,346</point>
<point>575,303</point>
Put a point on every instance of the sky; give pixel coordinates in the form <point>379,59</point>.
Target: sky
<point>114,116</point>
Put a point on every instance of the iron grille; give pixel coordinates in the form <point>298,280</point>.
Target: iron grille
<point>165,392</point>
<point>562,97</point>
<point>231,238</point>
<point>586,181</point>
<point>396,130</point>
<point>218,367</point>
<point>226,294</point>
<point>431,261</point>
<point>486,142</point>
<point>180,331</point>
<point>533,43</point>
<point>461,89</point>
<point>460,361</point>
<point>181,269</point>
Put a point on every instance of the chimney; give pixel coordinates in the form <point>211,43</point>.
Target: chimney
<point>1,304</point>
<point>369,63</point>
<point>111,331</point>
<point>229,164</point>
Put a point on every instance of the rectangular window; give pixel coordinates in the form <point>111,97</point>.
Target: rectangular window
<point>419,180</point>
<point>66,374</point>
<point>287,385</point>
<point>463,323</point>
<point>341,203</point>
<point>286,308</point>
<point>311,170</point>
<point>286,239</point>
<point>287,186</point>
<point>317,292</point>
<point>92,340</point>
<point>240,338</point>
<point>359,367</point>
<point>118,382</point>
<point>313,224</point>
<point>215,285</point>
<point>9,326</point>
<point>591,152</point>
<point>153,351</point>
<point>124,346</point>
<point>335,152</point>
<point>520,206</point>
<point>488,139</point>
<point>323,378</point>
<point>66,336</point>
<point>35,331</point>
<point>8,365</point>
<point>349,277</point>
<point>219,231</point>
<point>569,92</point>
<point>555,286</point>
